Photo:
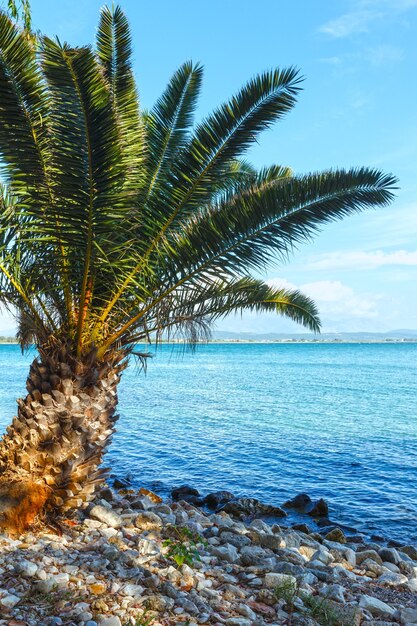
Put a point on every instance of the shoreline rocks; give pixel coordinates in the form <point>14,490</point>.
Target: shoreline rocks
<point>131,558</point>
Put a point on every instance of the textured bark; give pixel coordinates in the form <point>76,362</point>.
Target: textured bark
<point>50,455</point>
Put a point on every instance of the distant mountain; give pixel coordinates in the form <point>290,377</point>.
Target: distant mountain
<point>399,334</point>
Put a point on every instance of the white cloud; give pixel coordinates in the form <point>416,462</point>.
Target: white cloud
<point>336,301</point>
<point>350,23</point>
<point>383,54</point>
<point>350,260</point>
<point>363,15</point>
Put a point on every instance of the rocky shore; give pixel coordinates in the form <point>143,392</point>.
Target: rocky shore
<point>131,559</point>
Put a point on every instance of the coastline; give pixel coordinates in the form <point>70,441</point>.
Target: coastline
<point>131,558</point>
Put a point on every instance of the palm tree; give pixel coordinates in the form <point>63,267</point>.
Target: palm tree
<point>120,226</point>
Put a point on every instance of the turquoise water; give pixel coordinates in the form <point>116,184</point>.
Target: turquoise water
<point>271,420</point>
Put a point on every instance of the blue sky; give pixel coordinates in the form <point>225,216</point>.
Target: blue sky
<point>358,107</point>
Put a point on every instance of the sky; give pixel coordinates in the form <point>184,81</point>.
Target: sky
<point>358,107</point>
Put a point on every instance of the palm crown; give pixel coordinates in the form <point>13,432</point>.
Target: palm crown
<point>118,223</point>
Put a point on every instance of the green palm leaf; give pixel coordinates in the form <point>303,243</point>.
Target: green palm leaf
<point>115,223</point>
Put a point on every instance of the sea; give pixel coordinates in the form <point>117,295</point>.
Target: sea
<point>269,420</point>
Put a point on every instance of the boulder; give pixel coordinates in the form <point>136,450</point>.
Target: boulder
<point>121,483</point>
<point>299,503</point>
<point>391,579</point>
<point>186,493</point>
<point>218,498</point>
<point>363,555</point>
<point>337,535</point>
<point>410,551</point>
<point>319,509</point>
<point>375,606</point>
<point>303,503</point>
<point>148,521</point>
<point>251,507</point>
<point>390,555</point>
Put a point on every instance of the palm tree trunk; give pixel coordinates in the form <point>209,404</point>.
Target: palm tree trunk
<point>51,453</point>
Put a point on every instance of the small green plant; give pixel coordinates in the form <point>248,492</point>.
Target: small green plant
<point>144,620</point>
<point>323,610</point>
<point>183,545</point>
<point>326,613</point>
<point>288,592</point>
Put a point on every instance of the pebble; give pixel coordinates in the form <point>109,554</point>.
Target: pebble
<point>107,516</point>
<point>9,601</point>
<point>109,621</point>
<point>113,565</point>
<point>375,606</point>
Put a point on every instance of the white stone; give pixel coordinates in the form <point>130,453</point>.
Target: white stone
<point>9,601</point>
<point>108,532</point>
<point>412,584</point>
<point>109,621</point>
<point>323,555</point>
<point>273,580</point>
<point>133,590</point>
<point>27,568</point>
<point>375,606</point>
<point>392,580</point>
<point>106,516</point>
<point>58,581</point>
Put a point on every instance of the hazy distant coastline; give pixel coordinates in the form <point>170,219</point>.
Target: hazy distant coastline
<point>394,336</point>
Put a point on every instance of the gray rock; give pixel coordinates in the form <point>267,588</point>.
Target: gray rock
<point>299,503</point>
<point>407,568</point>
<point>259,524</point>
<point>159,603</point>
<point>187,493</point>
<point>9,601</point>
<point>337,535</point>
<point>273,542</point>
<point>407,615</point>
<point>411,551</point>
<point>250,507</point>
<point>283,567</point>
<point>273,580</point>
<point>390,555</point>
<point>368,554</point>
<point>217,498</point>
<point>226,553</point>
<point>323,555</point>
<point>253,555</point>
<point>319,509</point>
<point>106,516</point>
<point>375,607</point>
<point>27,568</point>
<point>246,611</point>
<point>239,541</point>
<point>148,521</point>
<point>334,592</point>
<point>238,621</point>
<point>391,567</point>
<point>391,579</point>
